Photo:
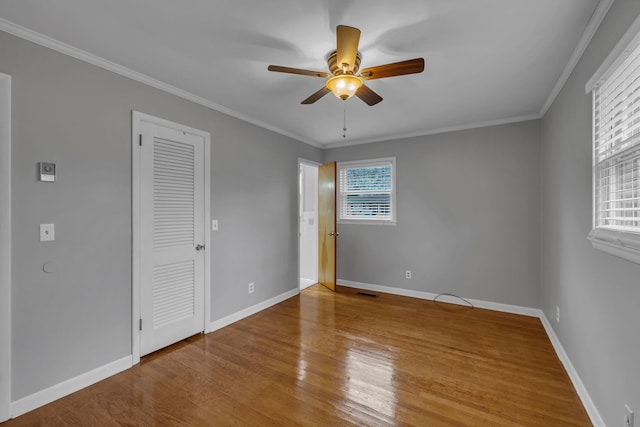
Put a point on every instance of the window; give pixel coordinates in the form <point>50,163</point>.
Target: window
<point>616,156</point>
<point>367,191</point>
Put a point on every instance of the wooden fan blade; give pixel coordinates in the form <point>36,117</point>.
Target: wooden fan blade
<point>411,66</point>
<point>279,69</point>
<point>367,95</point>
<point>319,94</point>
<point>347,39</point>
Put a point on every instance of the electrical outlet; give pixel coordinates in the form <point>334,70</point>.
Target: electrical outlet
<point>628,416</point>
<point>251,287</point>
<point>557,313</point>
<point>407,274</point>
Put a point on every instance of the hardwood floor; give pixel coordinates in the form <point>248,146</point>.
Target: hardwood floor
<point>324,359</point>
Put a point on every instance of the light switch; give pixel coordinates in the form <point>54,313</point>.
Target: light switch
<point>47,232</point>
<point>214,225</point>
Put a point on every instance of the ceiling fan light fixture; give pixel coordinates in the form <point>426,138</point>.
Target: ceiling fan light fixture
<point>344,66</point>
<point>344,86</point>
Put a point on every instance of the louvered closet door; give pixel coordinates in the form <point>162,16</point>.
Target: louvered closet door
<point>172,210</point>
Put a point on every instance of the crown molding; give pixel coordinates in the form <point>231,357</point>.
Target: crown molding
<point>58,46</point>
<point>625,46</point>
<point>476,125</point>
<point>593,25</point>
<point>43,40</point>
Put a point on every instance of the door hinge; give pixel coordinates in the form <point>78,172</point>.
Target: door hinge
<point>140,324</point>
<point>140,140</point>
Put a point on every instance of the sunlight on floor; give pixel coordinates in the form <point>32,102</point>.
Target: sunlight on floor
<point>369,379</point>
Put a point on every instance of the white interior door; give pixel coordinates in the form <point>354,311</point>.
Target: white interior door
<point>172,235</point>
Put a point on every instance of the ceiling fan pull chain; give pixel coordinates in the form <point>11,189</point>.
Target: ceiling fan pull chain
<point>344,122</point>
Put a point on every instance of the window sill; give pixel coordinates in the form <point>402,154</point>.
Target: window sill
<point>366,222</point>
<point>622,244</point>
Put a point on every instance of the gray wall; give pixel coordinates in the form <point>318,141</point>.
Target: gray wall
<point>468,219</point>
<point>598,294</point>
<point>468,216</point>
<point>79,116</point>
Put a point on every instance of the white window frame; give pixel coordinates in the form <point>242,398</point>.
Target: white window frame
<point>618,241</point>
<point>363,164</point>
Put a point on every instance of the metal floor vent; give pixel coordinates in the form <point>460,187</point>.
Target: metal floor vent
<point>367,294</point>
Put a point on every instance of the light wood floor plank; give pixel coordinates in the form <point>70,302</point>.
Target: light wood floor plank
<point>325,359</point>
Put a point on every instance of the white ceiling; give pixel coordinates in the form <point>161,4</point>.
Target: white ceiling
<point>487,61</point>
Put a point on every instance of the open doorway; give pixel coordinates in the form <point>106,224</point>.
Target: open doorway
<point>308,223</point>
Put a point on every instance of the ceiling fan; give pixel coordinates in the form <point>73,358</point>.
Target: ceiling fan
<point>344,63</point>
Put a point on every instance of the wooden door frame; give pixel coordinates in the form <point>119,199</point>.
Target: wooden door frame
<point>5,247</point>
<point>301,162</point>
<point>137,119</point>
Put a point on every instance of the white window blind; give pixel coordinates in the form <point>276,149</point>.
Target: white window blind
<point>367,191</point>
<point>616,156</point>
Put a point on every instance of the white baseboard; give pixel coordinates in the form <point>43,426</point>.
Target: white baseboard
<point>588,404</point>
<point>72,385</point>
<point>69,386</point>
<point>55,392</point>
<point>305,283</point>
<point>239,315</point>
<point>507,308</point>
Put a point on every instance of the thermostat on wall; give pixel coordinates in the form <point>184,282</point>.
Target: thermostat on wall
<point>47,172</point>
